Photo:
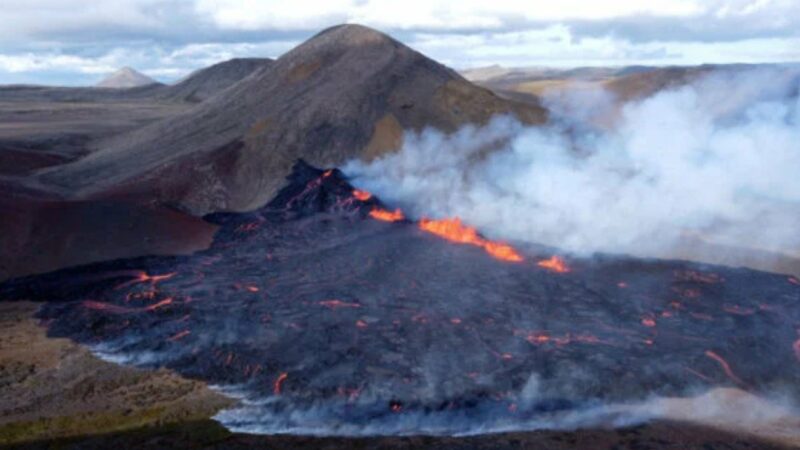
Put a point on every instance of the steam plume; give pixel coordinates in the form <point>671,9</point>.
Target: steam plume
<point>718,157</point>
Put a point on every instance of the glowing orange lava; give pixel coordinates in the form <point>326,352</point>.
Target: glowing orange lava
<point>738,310</point>
<point>100,306</point>
<point>725,367</point>
<point>155,306</point>
<point>143,277</point>
<point>279,383</point>
<point>361,195</point>
<point>334,303</point>
<point>179,335</point>
<point>116,309</point>
<point>554,263</point>
<point>387,216</point>
<point>648,322</point>
<point>542,338</point>
<point>453,230</point>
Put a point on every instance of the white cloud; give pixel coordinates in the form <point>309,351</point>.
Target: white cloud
<point>166,37</point>
<point>555,46</point>
<point>44,17</point>
<point>155,61</point>
<point>30,62</point>
<point>436,14</point>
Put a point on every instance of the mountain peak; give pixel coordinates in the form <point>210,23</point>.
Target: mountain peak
<point>343,37</point>
<point>354,32</point>
<point>126,77</point>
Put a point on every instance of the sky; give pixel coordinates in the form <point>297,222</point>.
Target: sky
<point>65,42</point>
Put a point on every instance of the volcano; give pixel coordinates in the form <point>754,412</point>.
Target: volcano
<point>348,92</point>
<point>326,319</point>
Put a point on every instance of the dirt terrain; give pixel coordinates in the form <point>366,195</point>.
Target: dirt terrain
<point>54,388</point>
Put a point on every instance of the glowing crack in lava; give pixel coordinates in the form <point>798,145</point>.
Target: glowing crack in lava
<point>555,264</point>
<point>387,216</point>
<point>361,195</point>
<point>451,229</point>
<point>276,389</point>
<point>725,367</point>
<point>329,322</point>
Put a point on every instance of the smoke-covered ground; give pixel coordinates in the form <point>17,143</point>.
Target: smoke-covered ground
<point>328,314</point>
<point>718,158</point>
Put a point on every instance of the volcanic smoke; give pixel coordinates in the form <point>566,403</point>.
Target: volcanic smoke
<point>717,157</point>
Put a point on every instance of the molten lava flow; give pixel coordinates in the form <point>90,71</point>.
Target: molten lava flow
<point>699,375</point>
<point>738,310</point>
<point>387,216</point>
<point>554,263</point>
<point>453,230</point>
<point>334,304</point>
<point>108,307</point>
<point>698,277</point>
<point>279,383</point>
<point>361,195</point>
<point>648,322</point>
<point>155,306</point>
<point>179,335</point>
<point>143,277</point>
<point>502,251</point>
<point>725,367</point>
<point>116,309</point>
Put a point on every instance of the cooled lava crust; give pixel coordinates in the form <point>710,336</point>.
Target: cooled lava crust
<point>329,321</point>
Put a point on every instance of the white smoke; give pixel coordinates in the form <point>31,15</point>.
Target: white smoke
<point>725,409</point>
<point>719,157</point>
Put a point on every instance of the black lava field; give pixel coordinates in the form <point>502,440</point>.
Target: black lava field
<point>326,319</point>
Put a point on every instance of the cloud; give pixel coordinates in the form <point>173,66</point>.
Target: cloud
<point>162,63</point>
<point>463,34</point>
<point>428,15</point>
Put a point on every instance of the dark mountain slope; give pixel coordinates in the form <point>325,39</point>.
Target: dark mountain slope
<point>207,82</point>
<point>347,92</point>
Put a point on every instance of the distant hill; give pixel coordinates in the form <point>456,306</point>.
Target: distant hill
<point>126,78</point>
<point>348,92</point>
<point>205,83</point>
<point>198,86</point>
